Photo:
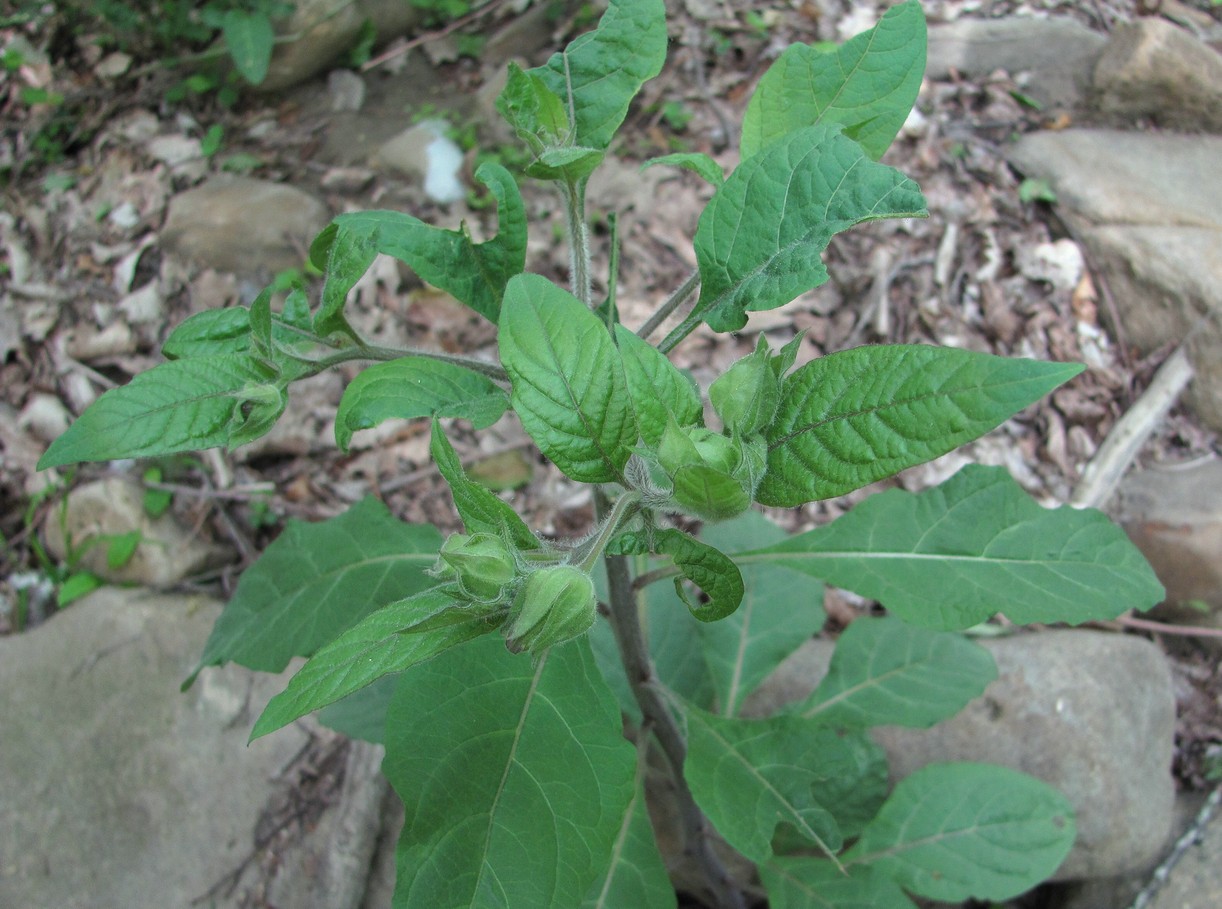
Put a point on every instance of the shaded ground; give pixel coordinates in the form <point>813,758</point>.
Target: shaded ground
<point>968,277</point>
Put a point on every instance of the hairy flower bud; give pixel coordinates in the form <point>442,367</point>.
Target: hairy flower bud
<point>482,564</point>
<point>707,471</point>
<point>746,395</point>
<point>553,605</point>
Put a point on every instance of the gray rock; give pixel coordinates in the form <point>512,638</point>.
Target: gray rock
<point>424,152</point>
<point>1051,58</point>
<point>325,29</point>
<point>167,553</point>
<point>1148,209</point>
<point>117,789</point>
<point>1154,70</point>
<point>1092,714</point>
<point>239,224</point>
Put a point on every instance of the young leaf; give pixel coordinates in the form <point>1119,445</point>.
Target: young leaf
<point>250,39</point>
<point>710,570</point>
<point>317,580</point>
<point>600,72</point>
<point>749,776</point>
<point>75,586</point>
<point>861,415</point>
<point>568,382</point>
<point>659,391</point>
<point>954,832</point>
<point>208,333</point>
<point>780,610</point>
<point>535,112</point>
<point>183,405</point>
<point>868,85</point>
<point>474,273</point>
<point>952,556</point>
<point>348,258</point>
<point>698,162</point>
<point>386,641</point>
<point>481,511</point>
<point>515,776</point>
<point>802,882</point>
<point>416,387</point>
<point>759,239</point>
<point>636,876</point>
<point>885,672</point>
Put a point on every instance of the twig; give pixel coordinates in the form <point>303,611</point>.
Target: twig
<point>1120,448</point>
<point>673,302</point>
<point>401,49</point>
<point>1190,838</point>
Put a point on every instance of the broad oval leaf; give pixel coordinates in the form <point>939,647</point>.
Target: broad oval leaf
<point>474,273</point>
<point>854,417</point>
<point>480,509</point>
<point>954,832</point>
<point>416,387</point>
<point>568,381</point>
<point>600,72</point>
<point>659,391</point>
<point>760,238</point>
<point>709,569</point>
<point>750,776</point>
<point>209,333</point>
<point>183,405</point>
<point>387,641</point>
<point>515,776</point>
<point>316,580</point>
<point>803,882</point>
<point>780,610</point>
<point>250,39</point>
<point>885,672</point>
<point>952,556</point>
<point>867,85</point>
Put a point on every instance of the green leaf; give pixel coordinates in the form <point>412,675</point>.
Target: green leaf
<point>570,165</point>
<point>416,387</point>
<point>749,776</point>
<point>208,333</point>
<point>316,581</point>
<point>249,38</point>
<point>362,714</point>
<point>868,85</point>
<point>121,547</point>
<point>514,774</point>
<point>954,832</point>
<point>854,417</point>
<point>885,672</point>
<point>349,256</point>
<point>183,405</point>
<point>535,112</point>
<point>481,511</point>
<point>659,391</point>
<point>809,883</point>
<point>387,641</point>
<point>636,877</point>
<point>474,273</point>
<point>780,610</point>
<point>759,239</point>
<point>600,72</point>
<point>75,586</point>
<point>568,381</point>
<point>698,162</point>
<point>710,570</point>
<point>951,557</point>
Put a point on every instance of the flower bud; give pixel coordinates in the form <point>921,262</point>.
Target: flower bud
<point>481,562</point>
<point>554,605</point>
<point>746,395</point>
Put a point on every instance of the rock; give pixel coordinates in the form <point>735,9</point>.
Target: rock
<point>325,29</point>
<point>243,225</point>
<point>1052,59</point>
<point>115,788</point>
<point>1174,515</point>
<point>424,152</point>
<point>347,90</point>
<point>1092,714</point>
<point>1148,209</point>
<point>1154,70</point>
<point>45,417</point>
<point>167,553</point>
<point>1196,879</point>
<point>1058,263</point>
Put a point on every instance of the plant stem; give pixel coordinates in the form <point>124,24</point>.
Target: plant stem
<point>673,302</point>
<point>374,352</point>
<point>630,639</point>
<point>579,241</point>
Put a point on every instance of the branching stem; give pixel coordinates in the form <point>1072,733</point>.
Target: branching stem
<point>669,305</point>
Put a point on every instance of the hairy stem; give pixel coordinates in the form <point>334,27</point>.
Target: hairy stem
<point>579,241</point>
<point>375,352</point>
<point>673,302</point>
<point>630,639</point>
